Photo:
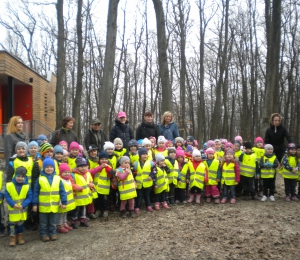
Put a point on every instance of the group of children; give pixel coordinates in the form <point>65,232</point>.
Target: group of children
<point>61,181</point>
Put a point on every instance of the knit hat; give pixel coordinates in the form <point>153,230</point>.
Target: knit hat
<point>291,146</point>
<point>146,141</point>
<point>230,151</point>
<point>81,148</point>
<point>153,138</point>
<point>159,157</point>
<point>238,138</point>
<point>179,139</point>
<point>161,139</point>
<point>268,146</point>
<point>142,151</point>
<point>108,145</point>
<point>121,114</point>
<point>124,159</point>
<point>58,149</point>
<point>32,143</point>
<point>190,138</point>
<point>63,142</point>
<point>65,152</point>
<point>118,141</point>
<point>21,144</point>
<point>92,147</point>
<point>73,145</point>
<point>189,148</point>
<point>210,143</point>
<point>217,141</point>
<point>133,143</point>
<point>258,140</point>
<point>247,145</point>
<point>63,167</point>
<point>205,146</point>
<point>196,152</point>
<point>103,154</point>
<point>179,152</point>
<point>48,162</point>
<point>237,142</point>
<point>21,170</point>
<point>80,161</point>
<point>223,141</point>
<point>228,145</point>
<point>168,142</point>
<point>45,147</point>
<point>171,150</point>
<point>209,151</point>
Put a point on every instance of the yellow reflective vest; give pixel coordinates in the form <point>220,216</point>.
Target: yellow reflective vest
<point>248,165</point>
<point>72,163</point>
<point>164,152</point>
<point>1,177</point>
<point>134,158</point>
<point>212,172</point>
<point>197,175</point>
<point>162,182</point>
<point>102,182</point>
<point>113,161</point>
<point>28,165</point>
<point>289,174</point>
<point>70,197</point>
<point>49,195</point>
<point>16,215</point>
<point>119,154</point>
<point>183,173</point>
<point>174,170</point>
<point>127,188</point>
<point>83,197</point>
<point>92,164</point>
<point>228,174</point>
<point>267,173</point>
<point>143,174</point>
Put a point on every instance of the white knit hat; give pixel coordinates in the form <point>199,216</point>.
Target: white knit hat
<point>161,139</point>
<point>196,152</point>
<point>159,157</point>
<point>146,141</point>
<point>108,145</point>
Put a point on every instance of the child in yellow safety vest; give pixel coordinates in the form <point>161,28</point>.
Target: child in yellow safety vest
<point>119,148</point>
<point>259,151</point>
<point>298,166</point>
<point>18,196</point>
<point>126,186</point>
<point>183,175</point>
<point>162,183</point>
<point>161,146</point>
<point>48,195</point>
<point>2,213</point>
<point>73,154</point>
<point>65,175</point>
<point>249,170</point>
<point>198,176</point>
<point>230,176</point>
<point>214,176</point>
<point>173,174</point>
<point>146,143</point>
<point>290,172</point>
<point>58,154</point>
<point>268,165</point>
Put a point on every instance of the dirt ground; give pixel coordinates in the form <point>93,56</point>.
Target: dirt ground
<point>246,230</point>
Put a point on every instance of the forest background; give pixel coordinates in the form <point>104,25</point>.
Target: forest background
<point>222,67</point>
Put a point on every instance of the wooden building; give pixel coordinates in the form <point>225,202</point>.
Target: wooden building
<point>25,93</point>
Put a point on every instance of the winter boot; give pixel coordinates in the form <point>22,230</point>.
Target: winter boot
<point>132,214</point>
<point>20,239</point>
<point>12,240</point>
<point>149,209</point>
<point>61,229</point>
<point>123,214</point>
<point>191,198</point>
<point>165,205</point>
<point>66,226</point>
<point>84,222</point>
<point>105,215</point>
<point>74,223</point>
<point>208,199</point>
<point>156,206</point>
<point>198,196</point>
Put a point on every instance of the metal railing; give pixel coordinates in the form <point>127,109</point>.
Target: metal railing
<point>31,129</point>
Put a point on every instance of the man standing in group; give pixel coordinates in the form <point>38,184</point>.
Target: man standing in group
<point>95,135</point>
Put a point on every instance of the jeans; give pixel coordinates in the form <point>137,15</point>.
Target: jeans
<point>48,222</point>
<point>226,188</point>
<point>160,197</point>
<point>143,193</point>
<point>290,187</point>
<point>15,228</point>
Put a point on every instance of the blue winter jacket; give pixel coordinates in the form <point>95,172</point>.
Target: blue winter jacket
<point>36,189</point>
<point>170,132</point>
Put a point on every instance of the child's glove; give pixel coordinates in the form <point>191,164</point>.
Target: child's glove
<point>91,185</point>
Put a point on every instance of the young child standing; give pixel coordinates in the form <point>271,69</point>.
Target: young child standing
<point>119,148</point>
<point>49,194</point>
<point>18,196</point>
<point>65,175</point>
<point>33,150</point>
<point>126,186</point>
<point>268,165</point>
<point>73,153</point>
<point>133,152</point>
<point>289,172</point>
<point>144,171</point>
<point>173,174</point>
<point>214,176</point>
<point>248,170</point>
<point>161,146</point>
<point>58,154</point>
<point>198,175</point>
<point>148,146</point>
<point>218,148</point>
<point>109,147</point>
<point>259,151</point>
<point>162,182</point>
<point>230,176</point>
<point>179,142</point>
<point>2,213</point>
<point>183,175</point>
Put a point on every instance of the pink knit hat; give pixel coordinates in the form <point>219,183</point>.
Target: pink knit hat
<point>63,167</point>
<point>74,145</point>
<point>209,151</point>
<point>153,138</point>
<point>63,142</point>
<point>258,140</point>
<point>210,143</point>
<point>228,145</point>
<point>179,152</point>
<point>238,138</point>
<point>229,151</point>
<point>65,153</point>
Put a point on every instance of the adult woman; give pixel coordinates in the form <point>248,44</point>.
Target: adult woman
<point>121,129</point>
<point>13,135</point>
<point>65,133</point>
<point>275,135</point>
<point>147,128</point>
<point>168,128</point>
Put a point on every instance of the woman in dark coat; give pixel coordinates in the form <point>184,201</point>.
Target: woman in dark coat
<point>276,134</point>
<point>147,128</point>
